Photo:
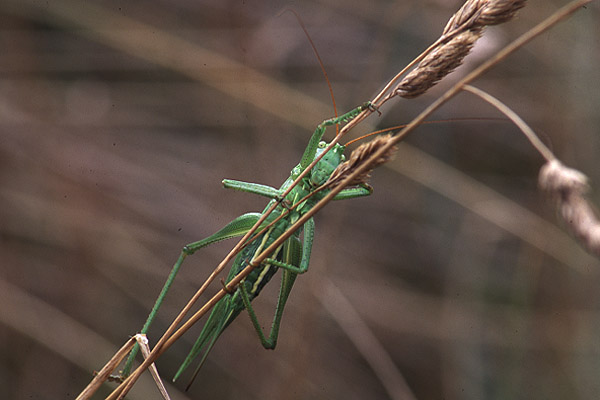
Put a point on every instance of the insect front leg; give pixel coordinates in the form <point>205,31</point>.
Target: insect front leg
<point>309,153</point>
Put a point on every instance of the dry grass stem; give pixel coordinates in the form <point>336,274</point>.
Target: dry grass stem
<point>361,336</point>
<point>360,156</point>
<point>567,187</point>
<point>143,342</point>
<point>105,372</point>
<point>518,121</point>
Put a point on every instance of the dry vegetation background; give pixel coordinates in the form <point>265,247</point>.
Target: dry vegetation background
<point>113,143</point>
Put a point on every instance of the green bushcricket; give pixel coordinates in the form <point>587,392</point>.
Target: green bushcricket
<point>292,256</point>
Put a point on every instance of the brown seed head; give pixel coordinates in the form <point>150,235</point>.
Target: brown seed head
<point>359,157</point>
<point>562,181</point>
<point>567,186</point>
<point>499,11</point>
<point>479,13</point>
<point>437,64</point>
<point>460,34</point>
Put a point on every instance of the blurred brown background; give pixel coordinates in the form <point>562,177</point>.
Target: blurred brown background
<point>119,119</point>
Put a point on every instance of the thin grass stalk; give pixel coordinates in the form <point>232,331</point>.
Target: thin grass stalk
<point>362,337</point>
<point>142,341</point>
<point>518,121</point>
<point>105,372</point>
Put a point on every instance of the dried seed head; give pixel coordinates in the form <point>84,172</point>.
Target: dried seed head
<point>437,64</point>
<point>460,34</point>
<point>566,186</point>
<point>476,14</point>
<point>464,17</point>
<point>559,180</point>
<point>359,157</point>
<point>499,11</point>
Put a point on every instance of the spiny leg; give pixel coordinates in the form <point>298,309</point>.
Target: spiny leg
<point>297,262</point>
<point>256,188</point>
<point>222,313</point>
<point>309,153</point>
<point>353,192</point>
<point>237,227</point>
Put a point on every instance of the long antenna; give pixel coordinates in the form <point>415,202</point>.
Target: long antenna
<point>437,121</point>
<point>312,44</point>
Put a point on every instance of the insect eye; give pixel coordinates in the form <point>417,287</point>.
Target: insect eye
<point>322,145</point>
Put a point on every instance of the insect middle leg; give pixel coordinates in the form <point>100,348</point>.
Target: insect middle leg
<point>296,262</point>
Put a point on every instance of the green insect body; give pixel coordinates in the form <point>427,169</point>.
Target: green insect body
<point>292,257</point>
